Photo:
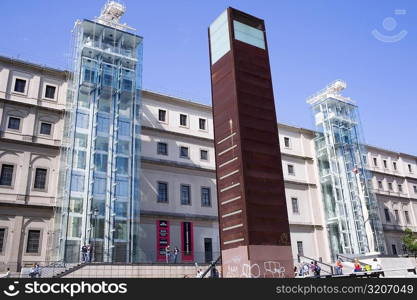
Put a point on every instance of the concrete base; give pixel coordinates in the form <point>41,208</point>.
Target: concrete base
<point>258,261</point>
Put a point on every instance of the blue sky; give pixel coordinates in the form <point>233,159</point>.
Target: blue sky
<point>311,43</point>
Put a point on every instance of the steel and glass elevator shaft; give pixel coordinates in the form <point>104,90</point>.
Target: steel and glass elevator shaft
<point>352,217</point>
<point>98,203</point>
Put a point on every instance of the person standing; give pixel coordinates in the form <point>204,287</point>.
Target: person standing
<point>312,268</point>
<point>35,271</point>
<point>317,269</point>
<point>357,266</point>
<point>167,253</point>
<point>32,272</point>
<point>84,253</point>
<point>176,252</point>
<point>339,267</point>
<point>89,253</point>
<point>305,270</point>
<point>375,265</point>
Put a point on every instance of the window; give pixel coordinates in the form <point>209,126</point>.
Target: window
<point>410,170</point>
<point>77,183</point>
<point>40,178</point>
<point>394,165</point>
<point>50,92</point>
<point>124,128</point>
<point>74,228</point>
<point>397,216</point>
<point>126,107</point>
<point>6,175</point>
<point>300,249</point>
<point>84,99</point>
<point>33,241</point>
<point>390,186</point>
<point>380,184</point>
<point>406,215</point>
<point>183,120</point>
<point>100,162</point>
<point>122,165</point>
<point>82,120</point>
<point>203,154</point>
<point>103,124</point>
<point>291,170</point>
<point>99,186</point>
<point>185,194</point>
<point>248,34</point>
<point>387,217</point>
<point>202,124</point>
<point>286,142</point>
<point>127,85</point>
<point>184,152</point>
<point>123,147</point>
<point>46,128</point>
<point>415,189</point>
<point>294,203</point>
<point>162,148</point>
<point>76,205</point>
<point>102,143</point>
<point>162,115</point>
<point>104,103</point>
<point>2,238</point>
<point>89,75</point>
<point>394,249</point>
<point>107,79</point>
<point>120,209</point>
<point>385,164</point>
<point>400,188</point>
<point>14,123</point>
<point>375,162</point>
<point>162,192</point>
<point>20,85</point>
<point>122,187</point>
<point>205,196</point>
<point>365,160</point>
<point>81,140</point>
<point>79,159</point>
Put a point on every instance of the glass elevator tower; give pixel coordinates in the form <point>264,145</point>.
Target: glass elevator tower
<point>352,217</point>
<point>98,202</point>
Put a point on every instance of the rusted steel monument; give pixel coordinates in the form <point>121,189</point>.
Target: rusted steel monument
<point>254,229</point>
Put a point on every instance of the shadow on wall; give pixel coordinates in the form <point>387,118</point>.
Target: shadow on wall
<point>148,118</point>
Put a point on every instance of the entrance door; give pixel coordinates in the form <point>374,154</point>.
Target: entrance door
<point>208,250</point>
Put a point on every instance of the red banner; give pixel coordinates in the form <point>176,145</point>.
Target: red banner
<point>162,239</point>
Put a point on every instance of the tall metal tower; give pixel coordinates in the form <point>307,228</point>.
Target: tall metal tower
<point>352,217</point>
<point>99,197</point>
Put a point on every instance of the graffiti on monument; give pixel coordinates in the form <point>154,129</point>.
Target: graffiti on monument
<point>269,269</point>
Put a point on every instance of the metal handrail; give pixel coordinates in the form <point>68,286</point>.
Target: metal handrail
<point>344,258</point>
<point>212,265</point>
<point>318,262</point>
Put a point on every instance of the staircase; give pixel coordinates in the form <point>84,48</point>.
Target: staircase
<point>69,269</point>
<point>51,270</point>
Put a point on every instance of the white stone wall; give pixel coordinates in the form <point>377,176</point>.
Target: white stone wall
<point>24,207</point>
<point>397,193</point>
